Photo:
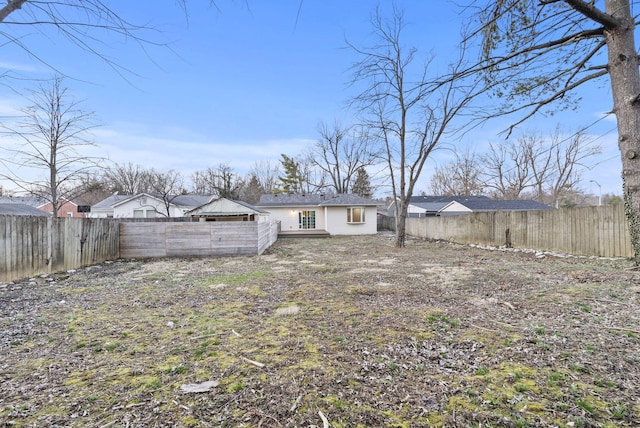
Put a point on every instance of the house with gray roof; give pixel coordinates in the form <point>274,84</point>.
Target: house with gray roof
<point>224,209</point>
<point>146,205</point>
<point>343,214</point>
<point>429,206</point>
<point>17,208</point>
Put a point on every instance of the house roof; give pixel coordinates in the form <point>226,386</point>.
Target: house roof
<point>179,200</point>
<point>33,201</point>
<point>15,208</point>
<point>477,203</point>
<point>283,199</point>
<point>109,202</point>
<point>224,206</point>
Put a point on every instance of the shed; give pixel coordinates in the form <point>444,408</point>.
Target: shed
<point>224,209</point>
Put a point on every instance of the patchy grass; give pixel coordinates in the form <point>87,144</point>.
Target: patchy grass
<point>430,335</point>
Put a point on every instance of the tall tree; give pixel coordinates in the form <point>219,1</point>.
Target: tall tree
<point>340,153</point>
<point>167,185</point>
<point>292,181</point>
<point>537,53</point>
<point>252,191</point>
<point>82,22</point>
<point>51,136</point>
<point>128,178</point>
<point>266,174</point>
<point>410,117</point>
<point>362,184</point>
<point>506,169</point>
<point>459,177</point>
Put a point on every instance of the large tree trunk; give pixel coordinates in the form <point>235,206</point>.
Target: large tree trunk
<point>625,85</point>
<point>401,221</point>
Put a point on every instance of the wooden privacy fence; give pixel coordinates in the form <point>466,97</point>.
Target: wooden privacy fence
<point>40,245</point>
<point>591,231</point>
<point>161,239</point>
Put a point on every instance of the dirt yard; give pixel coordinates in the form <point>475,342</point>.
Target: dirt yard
<point>339,332</point>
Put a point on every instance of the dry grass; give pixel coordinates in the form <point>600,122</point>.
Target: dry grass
<point>347,329</point>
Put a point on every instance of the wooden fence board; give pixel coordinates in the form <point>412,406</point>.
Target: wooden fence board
<point>40,245</point>
<point>591,231</point>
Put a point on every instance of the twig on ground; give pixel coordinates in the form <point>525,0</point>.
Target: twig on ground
<point>325,421</point>
<point>623,329</point>
<point>255,363</point>
<point>236,333</point>
<point>295,404</point>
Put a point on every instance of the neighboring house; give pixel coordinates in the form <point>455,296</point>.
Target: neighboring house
<point>21,209</point>
<point>67,209</point>
<point>429,206</point>
<point>145,205</point>
<point>224,209</point>
<point>338,215</point>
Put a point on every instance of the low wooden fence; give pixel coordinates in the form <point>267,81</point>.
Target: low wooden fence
<point>162,239</point>
<point>591,231</point>
<point>41,245</point>
<point>31,246</point>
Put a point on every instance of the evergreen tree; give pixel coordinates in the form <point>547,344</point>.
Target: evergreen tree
<point>362,184</point>
<point>292,180</point>
<point>252,191</point>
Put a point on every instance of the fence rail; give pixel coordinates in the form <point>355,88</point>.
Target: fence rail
<point>40,245</point>
<point>161,239</point>
<point>590,231</point>
<point>31,246</point>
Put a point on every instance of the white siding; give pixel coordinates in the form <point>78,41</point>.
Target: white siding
<point>337,222</point>
<point>288,216</point>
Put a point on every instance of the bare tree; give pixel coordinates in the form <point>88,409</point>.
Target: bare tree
<point>407,115</point>
<point>51,136</point>
<point>221,181</point>
<point>536,53</point>
<point>266,174</point>
<point>506,169</point>
<point>167,185</point>
<point>128,179</point>
<point>340,153</point>
<point>556,164</point>
<point>545,167</point>
<point>459,177</point>
<point>82,22</point>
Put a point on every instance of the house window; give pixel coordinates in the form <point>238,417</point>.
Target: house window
<point>138,213</point>
<point>151,213</point>
<point>306,219</point>
<point>355,215</point>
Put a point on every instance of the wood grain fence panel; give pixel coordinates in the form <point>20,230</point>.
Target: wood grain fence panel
<point>590,231</point>
<point>39,245</point>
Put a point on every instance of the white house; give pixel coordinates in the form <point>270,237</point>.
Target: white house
<point>145,205</point>
<point>427,206</point>
<point>338,215</point>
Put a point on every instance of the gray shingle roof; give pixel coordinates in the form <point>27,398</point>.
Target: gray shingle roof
<point>33,201</point>
<point>110,201</point>
<point>14,208</point>
<point>283,199</point>
<point>477,203</point>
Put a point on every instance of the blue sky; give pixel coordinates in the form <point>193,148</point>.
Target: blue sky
<point>250,80</point>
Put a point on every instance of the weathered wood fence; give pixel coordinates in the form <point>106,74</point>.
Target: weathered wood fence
<point>591,231</point>
<point>32,246</point>
<point>162,239</point>
<point>40,245</point>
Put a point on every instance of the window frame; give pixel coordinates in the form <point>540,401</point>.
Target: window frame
<point>306,219</point>
<point>350,216</point>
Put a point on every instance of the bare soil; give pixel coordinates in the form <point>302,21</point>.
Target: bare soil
<point>326,332</point>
